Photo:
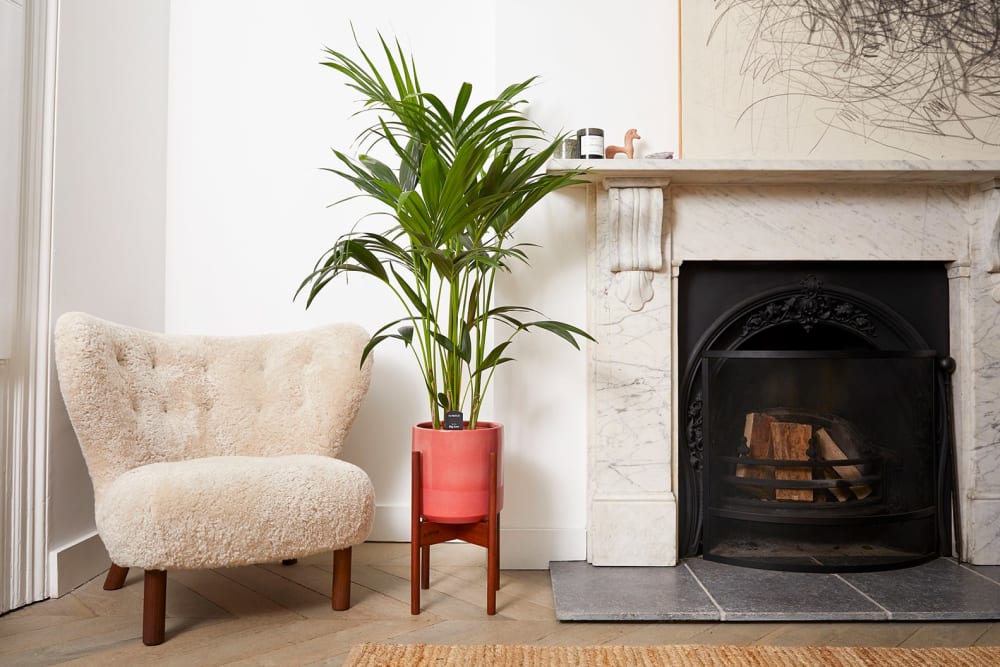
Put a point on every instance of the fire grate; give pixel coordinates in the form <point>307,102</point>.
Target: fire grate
<point>820,460</point>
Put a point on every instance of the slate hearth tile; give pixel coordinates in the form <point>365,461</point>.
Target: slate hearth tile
<point>940,590</point>
<point>747,594</point>
<point>583,592</point>
<point>988,571</point>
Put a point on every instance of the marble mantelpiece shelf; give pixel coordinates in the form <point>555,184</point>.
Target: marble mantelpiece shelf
<point>775,172</point>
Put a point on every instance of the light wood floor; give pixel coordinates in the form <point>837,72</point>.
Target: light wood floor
<point>274,615</point>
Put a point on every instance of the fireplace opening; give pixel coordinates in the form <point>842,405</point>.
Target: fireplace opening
<point>819,460</point>
<point>817,424</point>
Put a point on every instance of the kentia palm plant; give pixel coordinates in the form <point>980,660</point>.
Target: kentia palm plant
<point>465,175</point>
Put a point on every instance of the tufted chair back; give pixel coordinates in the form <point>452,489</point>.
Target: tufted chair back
<point>137,397</point>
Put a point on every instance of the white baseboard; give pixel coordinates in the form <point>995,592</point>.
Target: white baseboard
<point>75,564</point>
<point>392,524</point>
<point>520,548</point>
<point>534,548</point>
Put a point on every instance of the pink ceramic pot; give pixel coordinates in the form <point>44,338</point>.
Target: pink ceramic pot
<point>456,471</point>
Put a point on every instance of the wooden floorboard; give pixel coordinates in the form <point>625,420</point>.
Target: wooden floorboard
<point>280,615</point>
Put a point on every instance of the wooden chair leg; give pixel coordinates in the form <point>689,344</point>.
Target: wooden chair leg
<point>116,577</point>
<point>154,607</point>
<point>341,597</point>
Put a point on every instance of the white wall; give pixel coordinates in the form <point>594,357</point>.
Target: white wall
<point>108,209</point>
<point>252,118</point>
<point>12,85</point>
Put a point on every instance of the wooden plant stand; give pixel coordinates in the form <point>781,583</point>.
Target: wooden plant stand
<point>484,533</point>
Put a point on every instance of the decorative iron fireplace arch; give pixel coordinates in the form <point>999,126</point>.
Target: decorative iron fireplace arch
<point>806,319</point>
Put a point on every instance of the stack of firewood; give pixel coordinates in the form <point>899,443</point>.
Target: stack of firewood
<point>770,439</point>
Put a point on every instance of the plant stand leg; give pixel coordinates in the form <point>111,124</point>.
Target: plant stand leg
<point>492,543</point>
<point>415,550</point>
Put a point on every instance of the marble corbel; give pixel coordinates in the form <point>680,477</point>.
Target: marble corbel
<point>991,213</point>
<point>636,224</point>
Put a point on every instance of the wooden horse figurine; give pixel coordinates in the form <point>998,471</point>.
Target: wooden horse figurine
<point>611,151</point>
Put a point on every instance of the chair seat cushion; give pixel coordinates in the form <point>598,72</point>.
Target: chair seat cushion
<point>234,510</point>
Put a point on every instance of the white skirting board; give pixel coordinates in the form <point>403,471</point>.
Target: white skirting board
<point>75,564</point>
<point>520,548</point>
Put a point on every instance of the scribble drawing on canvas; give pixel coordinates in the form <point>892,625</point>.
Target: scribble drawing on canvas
<point>877,69</point>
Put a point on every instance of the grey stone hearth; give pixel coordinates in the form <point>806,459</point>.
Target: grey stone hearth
<point>699,590</point>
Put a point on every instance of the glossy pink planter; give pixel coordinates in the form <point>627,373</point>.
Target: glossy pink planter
<point>456,471</point>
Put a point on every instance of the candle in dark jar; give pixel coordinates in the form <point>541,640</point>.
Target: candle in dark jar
<point>591,143</point>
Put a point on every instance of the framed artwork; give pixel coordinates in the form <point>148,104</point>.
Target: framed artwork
<point>840,79</point>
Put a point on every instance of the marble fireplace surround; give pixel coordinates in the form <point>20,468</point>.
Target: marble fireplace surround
<point>645,218</point>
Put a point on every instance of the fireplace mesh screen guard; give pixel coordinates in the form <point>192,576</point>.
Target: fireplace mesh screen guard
<point>816,413</point>
<point>820,460</point>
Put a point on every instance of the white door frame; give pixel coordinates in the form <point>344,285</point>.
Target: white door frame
<point>24,440</point>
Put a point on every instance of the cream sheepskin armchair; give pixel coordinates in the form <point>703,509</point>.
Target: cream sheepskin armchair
<point>212,452</point>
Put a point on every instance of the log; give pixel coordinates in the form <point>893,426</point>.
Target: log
<point>842,495</point>
<point>828,450</point>
<point>757,433</point>
<point>790,442</point>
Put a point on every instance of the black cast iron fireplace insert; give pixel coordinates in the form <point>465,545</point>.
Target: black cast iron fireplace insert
<point>817,427</point>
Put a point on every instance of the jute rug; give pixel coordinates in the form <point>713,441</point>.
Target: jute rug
<point>406,655</point>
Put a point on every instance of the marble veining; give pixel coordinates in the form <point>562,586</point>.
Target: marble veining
<point>802,222</point>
